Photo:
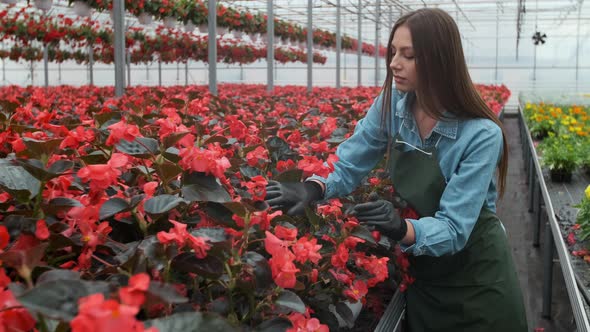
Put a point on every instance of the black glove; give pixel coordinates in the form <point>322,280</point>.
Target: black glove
<point>383,216</point>
<point>292,197</point>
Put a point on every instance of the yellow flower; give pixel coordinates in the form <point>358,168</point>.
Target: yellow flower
<point>587,191</point>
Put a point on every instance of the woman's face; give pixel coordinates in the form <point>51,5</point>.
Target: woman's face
<point>403,63</point>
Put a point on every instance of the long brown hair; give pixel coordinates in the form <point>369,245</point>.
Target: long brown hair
<point>443,79</point>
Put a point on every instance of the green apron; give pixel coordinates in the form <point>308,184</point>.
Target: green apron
<point>476,289</point>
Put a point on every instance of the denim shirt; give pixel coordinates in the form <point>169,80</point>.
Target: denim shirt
<point>468,153</point>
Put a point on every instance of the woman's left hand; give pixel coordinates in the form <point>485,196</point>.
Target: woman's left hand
<point>383,216</point>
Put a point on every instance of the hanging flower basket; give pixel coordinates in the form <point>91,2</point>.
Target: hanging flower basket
<point>189,27</point>
<point>81,8</point>
<point>169,22</point>
<point>144,18</point>
<point>203,28</point>
<point>44,5</point>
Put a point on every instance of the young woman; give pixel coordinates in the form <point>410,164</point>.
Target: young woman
<point>443,146</point>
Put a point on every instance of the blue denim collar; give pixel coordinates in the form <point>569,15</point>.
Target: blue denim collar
<point>448,126</point>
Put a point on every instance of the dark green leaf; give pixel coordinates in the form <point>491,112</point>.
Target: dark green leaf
<point>18,224</point>
<point>237,208</point>
<point>221,214</point>
<point>169,171</point>
<point>135,200</point>
<point>60,166</point>
<point>113,206</point>
<point>166,293</point>
<point>215,139</point>
<point>191,322</point>
<point>171,154</point>
<point>177,102</point>
<point>209,267</point>
<point>17,181</point>
<point>290,300</point>
<point>363,233</point>
<point>173,138</point>
<point>95,158</point>
<point>203,188</point>
<point>313,218</point>
<point>162,204</point>
<point>249,171</point>
<point>40,149</point>
<point>279,149</point>
<point>59,298</point>
<point>261,269</point>
<point>140,147</point>
<point>102,118</point>
<point>293,175</point>
<point>35,168</point>
<point>59,241</point>
<point>58,275</point>
<point>154,251</point>
<point>9,106</point>
<point>277,324</point>
<point>60,204</point>
<point>212,234</point>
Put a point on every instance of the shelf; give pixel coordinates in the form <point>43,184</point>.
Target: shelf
<point>557,200</point>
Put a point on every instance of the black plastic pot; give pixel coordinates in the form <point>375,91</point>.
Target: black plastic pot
<point>560,175</point>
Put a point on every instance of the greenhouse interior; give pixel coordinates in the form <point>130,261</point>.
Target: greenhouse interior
<point>343,165</point>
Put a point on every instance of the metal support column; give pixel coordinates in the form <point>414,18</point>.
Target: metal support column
<point>159,72</point>
<point>186,73</point>
<point>338,44</point>
<point>309,45</point>
<point>359,51</point>
<point>59,72</point>
<point>538,216</point>
<point>270,55</point>
<point>46,64</point>
<point>118,13</point>
<point>4,70</point>
<point>533,183</point>
<point>578,42</point>
<point>548,271</point>
<point>377,27</point>
<point>32,74</point>
<point>212,40</point>
<point>128,68</point>
<point>147,72</point>
<point>91,63</point>
<point>497,39</point>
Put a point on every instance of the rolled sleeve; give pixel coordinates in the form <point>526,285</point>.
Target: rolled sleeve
<point>358,155</point>
<point>463,198</point>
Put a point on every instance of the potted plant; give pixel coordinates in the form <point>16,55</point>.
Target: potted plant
<point>583,217</point>
<point>585,156</point>
<point>561,155</point>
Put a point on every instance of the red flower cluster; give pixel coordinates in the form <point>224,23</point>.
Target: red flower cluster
<point>94,209</point>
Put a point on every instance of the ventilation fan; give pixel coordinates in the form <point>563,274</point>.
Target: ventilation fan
<point>539,38</point>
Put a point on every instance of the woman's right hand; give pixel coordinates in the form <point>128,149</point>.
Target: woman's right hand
<point>292,197</point>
